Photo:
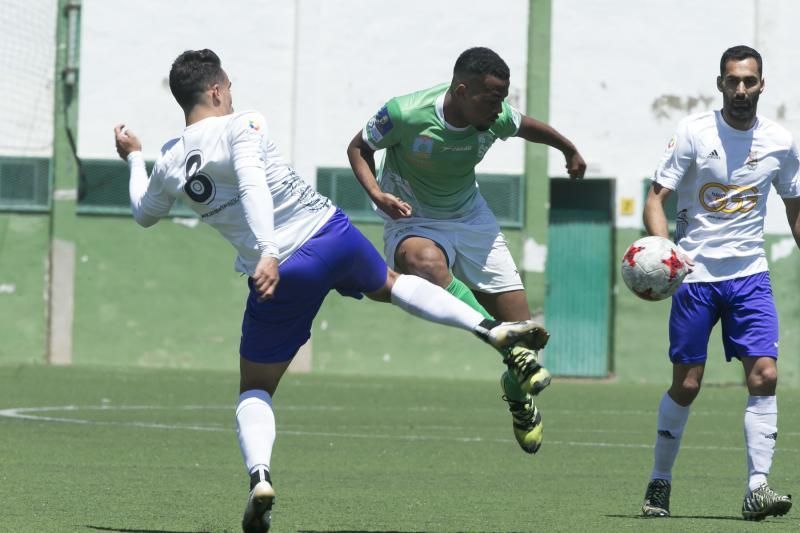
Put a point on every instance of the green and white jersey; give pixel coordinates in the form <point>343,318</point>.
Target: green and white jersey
<point>429,163</point>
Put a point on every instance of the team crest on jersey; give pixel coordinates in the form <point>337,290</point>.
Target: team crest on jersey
<point>253,125</point>
<point>423,146</point>
<point>379,125</point>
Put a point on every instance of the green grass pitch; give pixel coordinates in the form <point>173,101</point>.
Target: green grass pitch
<point>90,449</point>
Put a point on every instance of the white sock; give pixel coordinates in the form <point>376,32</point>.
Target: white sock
<point>425,300</point>
<point>256,428</point>
<point>760,434</point>
<point>671,422</point>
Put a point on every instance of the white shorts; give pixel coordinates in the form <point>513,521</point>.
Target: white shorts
<point>476,249</point>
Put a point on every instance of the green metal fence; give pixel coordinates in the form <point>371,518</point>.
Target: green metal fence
<point>503,192</point>
<point>103,189</point>
<point>580,271</point>
<point>25,184</point>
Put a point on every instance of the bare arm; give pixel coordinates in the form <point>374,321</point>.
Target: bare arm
<point>793,216</point>
<point>535,131</point>
<point>655,220</point>
<point>362,161</point>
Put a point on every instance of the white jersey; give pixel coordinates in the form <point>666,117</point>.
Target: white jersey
<point>232,175</point>
<point>722,177</point>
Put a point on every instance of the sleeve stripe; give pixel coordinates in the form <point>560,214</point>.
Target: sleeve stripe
<point>365,138</point>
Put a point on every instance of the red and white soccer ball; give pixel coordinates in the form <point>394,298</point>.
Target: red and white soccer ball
<point>653,269</point>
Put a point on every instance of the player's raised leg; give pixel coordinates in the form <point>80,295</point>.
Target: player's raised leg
<point>430,302</point>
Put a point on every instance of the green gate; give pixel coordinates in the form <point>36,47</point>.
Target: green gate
<point>579,277</point>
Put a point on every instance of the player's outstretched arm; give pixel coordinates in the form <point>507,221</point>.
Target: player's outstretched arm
<point>535,131</point>
<point>793,216</point>
<point>362,161</point>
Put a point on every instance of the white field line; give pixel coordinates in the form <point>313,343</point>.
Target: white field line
<point>33,414</point>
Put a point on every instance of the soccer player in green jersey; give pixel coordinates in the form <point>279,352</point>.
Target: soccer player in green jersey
<point>437,225</point>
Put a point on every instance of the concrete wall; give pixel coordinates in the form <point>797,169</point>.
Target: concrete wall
<point>624,73</point>
<point>316,69</point>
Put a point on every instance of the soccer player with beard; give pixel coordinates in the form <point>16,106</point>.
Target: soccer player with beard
<point>437,224</point>
<point>722,165</point>
<point>294,245</point>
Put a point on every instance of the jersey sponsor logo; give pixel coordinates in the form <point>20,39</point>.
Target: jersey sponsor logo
<point>306,196</point>
<point>199,187</point>
<point>226,205</point>
<point>461,148</point>
<point>713,154</point>
<point>718,197</point>
<point>379,125</point>
<point>422,146</point>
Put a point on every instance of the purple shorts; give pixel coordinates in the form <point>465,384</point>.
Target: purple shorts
<point>746,308</point>
<point>337,257</point>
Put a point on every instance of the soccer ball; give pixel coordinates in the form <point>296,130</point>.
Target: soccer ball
<point>652,268</point>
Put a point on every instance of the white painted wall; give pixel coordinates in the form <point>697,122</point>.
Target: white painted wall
<point>356,54</point>
<point>623,72</point>
<point>127,51</point>
<point>317,69</point>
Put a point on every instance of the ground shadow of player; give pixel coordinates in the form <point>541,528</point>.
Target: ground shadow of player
<point>376,531</point>
<point>130,530</point>
<point>677,517</point>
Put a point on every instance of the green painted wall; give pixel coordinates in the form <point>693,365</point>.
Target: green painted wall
<point>161,296</point>
<point>23,262</point>
<point>168,296</point>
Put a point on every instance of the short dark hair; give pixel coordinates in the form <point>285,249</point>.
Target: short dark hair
<point>738,53</point>
<point>192,73</point>
<point>480,61</point>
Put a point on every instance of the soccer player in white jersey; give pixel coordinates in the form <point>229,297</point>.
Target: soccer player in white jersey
<point>722,165</point>
<point>438,225</point>
<point>292,242</point>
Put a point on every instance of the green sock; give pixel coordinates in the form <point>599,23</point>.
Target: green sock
<point>512,388</point>
<point>463,293</point>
